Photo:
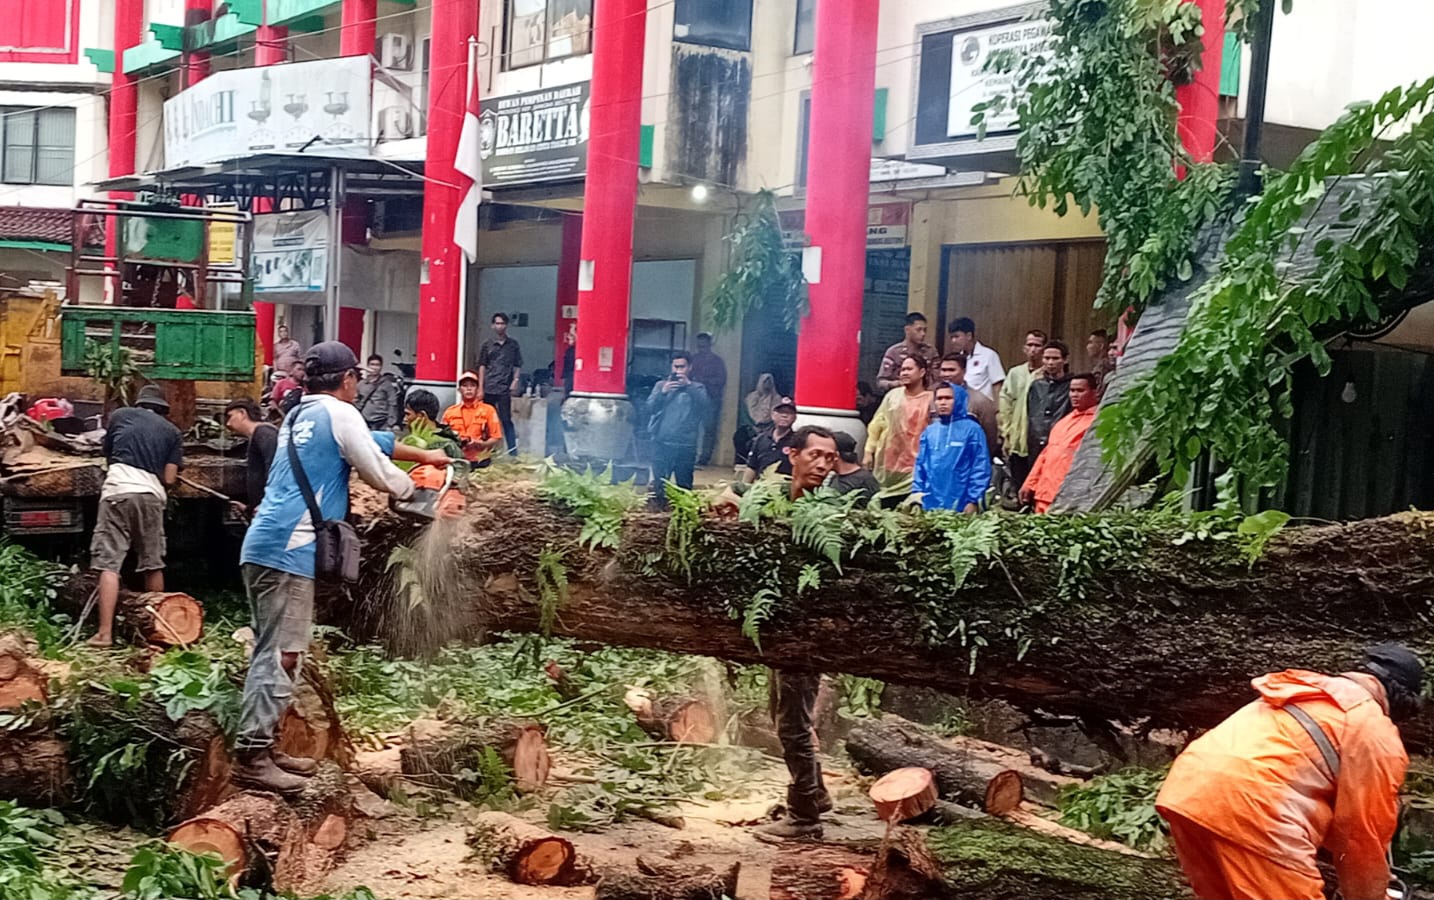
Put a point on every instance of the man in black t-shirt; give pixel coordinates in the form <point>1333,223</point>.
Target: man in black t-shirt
<point>769,446</point>
<point>500,375</point>
<point>144,452</point>
<point>244,419</point>
<point>848,475</point>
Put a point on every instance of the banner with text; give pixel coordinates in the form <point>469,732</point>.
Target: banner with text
<point>886,225</point>
<point>537,136</point>
<point>291,251</point>
<point>972,82</point>
<point>323,104</point>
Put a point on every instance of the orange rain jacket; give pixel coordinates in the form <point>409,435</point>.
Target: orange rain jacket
<point>1052,466</point>
<point>1257,779</point>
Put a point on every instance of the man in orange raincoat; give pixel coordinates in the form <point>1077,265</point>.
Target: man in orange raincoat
<point>1316,761</point>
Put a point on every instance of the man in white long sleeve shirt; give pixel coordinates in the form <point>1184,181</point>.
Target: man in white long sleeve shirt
<point>331,439</point>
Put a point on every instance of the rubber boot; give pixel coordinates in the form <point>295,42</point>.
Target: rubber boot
<point>788,829</point>
<point>257,769</point>
<point>302,765</point>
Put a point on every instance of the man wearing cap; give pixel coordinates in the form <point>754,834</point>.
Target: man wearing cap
<point>145,452</point>
<point>769,446</point>
<point>474,421</point>
<point>710,371</point>
<point>330,439</point>
<point>1315,761</point>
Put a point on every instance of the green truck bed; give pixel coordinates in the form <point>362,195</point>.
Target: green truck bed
<point>172,344</point>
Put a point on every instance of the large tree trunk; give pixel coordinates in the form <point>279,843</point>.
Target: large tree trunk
<point>1154,629</point>
<point>655,879</point>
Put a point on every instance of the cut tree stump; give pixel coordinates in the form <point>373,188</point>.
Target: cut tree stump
<point>1159,632</point>
<point>22,679</point>
<point>684,719</point>
<point>291,846</point>
<point>828,871</point>
<point>903,794</point>
<point>882,745</point>
<point>34,767</point>
<point>1040,785</point>
<point>523,853</point>
<point>439,750</point>
<point>311,726</point>
<point>167,619</point>
<point>905,869</point>
<point>654,879</point>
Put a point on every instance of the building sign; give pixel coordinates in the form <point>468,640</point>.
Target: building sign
<point>223,237</point>
<point>322,104</point>
<point>953,74</point>
<point>537,136</point>
<point>886,226</point>
<point>291,251</point>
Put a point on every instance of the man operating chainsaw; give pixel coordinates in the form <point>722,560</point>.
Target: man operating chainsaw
<point>422,428</point>
<point>1314,762</point>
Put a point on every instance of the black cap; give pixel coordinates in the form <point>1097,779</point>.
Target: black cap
<point>785,403</point>
<point>1395,663</point>
<point>846,446</point>
<point>329,357</point>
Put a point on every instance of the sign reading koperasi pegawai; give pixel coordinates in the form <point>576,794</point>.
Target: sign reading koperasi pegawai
<point>537,136</point>
<point>324,103</point>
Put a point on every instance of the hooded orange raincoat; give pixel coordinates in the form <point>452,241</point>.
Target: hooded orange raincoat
<point>1251,801</point>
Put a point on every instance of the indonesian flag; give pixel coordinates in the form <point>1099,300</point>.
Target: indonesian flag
<point>468,164</point>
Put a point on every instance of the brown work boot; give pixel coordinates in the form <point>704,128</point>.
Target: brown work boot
<point>258,769</point>
<point>788,829</point>
<point>295,765</point>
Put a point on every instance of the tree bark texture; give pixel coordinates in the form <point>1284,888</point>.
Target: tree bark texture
<point>524,853</point>
<point>1166,632</point>
<point>167,619</point>
<point>443,749</point>
<point>664,880</point>
<point>803,871</point>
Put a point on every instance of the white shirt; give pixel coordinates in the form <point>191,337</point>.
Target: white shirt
<point>123,479</point>
<point>984,370</point>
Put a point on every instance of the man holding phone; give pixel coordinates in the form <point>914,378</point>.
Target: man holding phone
<point>677,408</point>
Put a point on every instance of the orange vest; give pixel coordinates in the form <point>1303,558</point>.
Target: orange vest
<point>476,421</point>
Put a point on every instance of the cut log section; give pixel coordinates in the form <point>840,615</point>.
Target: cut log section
<point>439,750</point>
<point>663,880</point>
<point>1160,634</point>
<point>523,853</point>
<point>310,726</point>
<point>882,745</point>
<point>22,679</point>
<point>1040,785</point>
<point>34,770</point>
<point>903,794</point>
<point>806,871</point>
<point>168,619</point>
<point>905,869</point>
<point>683,719</point>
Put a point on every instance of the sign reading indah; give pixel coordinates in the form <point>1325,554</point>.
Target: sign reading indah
<point>537,136</point>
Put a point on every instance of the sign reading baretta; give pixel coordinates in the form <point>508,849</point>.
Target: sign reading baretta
<point>537,136</point>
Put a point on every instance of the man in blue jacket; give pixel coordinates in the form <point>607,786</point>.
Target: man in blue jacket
<point>678,407</point>
<point>953,464</point>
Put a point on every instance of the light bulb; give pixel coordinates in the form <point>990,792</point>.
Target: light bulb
<point>699,193</point>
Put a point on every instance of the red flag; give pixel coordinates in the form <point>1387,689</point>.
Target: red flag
<point>468,164</point>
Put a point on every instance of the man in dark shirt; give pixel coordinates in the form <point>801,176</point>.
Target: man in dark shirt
<point>500,370</point>
<point>677,406</point>
<point>244,419</point>
<point>378,398</point>
<point>769,446</point>
<point>848,475</point>
<point>710,371</point>
<point>1048,399</point>
<point>144,452</point>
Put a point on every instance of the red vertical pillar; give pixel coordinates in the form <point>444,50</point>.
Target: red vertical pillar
<point>358,27</point>
<point>610,198</point>
<point>567,298</point>
<point>843,93</point>
<point>124,114</point>
<point>351,329</point>
<point>196,62</point>
<point>454,22</point>
<point>1199,100</point>
<point>271,47</point>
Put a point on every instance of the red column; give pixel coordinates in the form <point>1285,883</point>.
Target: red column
<point>358,27</point>
<point>124,118</point>
<point>351,329</point>
<point>1199,100</point>
<point>196,63</point>
<point>271,47</point>
<point>610,197</point>
<point>568,261</point>
<point>454,22</point>
<point>843,93</point>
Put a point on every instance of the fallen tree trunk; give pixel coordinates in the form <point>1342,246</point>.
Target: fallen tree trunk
<point>434,749</point>
<point>804,871</point>
<point>1139,628</point>
<point>523,853</point>
<point>993,860</point>
<point>663,880</point>
<point>905,869</point>
<point>878,746</point>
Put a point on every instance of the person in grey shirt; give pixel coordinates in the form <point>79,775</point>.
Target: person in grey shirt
<point>678,407</point>
<point>378,397</point>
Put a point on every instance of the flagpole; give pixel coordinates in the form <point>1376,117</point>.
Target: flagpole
<point>463,273</point>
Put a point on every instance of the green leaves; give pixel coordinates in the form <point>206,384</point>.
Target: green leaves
<point>160,870</point>
<point>188,681</point>
<point>552,578</point>
<point>595,499</point>
<point>764,273</point>
<point>1119,807</point>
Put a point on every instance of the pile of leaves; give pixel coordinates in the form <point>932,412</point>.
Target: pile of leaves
<point>1118,807</point>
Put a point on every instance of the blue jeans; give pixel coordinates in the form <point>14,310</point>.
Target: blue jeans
<point>281,609</point>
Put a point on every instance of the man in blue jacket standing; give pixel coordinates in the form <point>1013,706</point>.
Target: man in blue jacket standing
<point>678,406</point>
<point>953,464</point>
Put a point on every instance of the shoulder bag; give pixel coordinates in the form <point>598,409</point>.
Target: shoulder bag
<point>336,544</point>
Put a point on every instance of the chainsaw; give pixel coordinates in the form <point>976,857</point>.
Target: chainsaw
<point>435,493</point>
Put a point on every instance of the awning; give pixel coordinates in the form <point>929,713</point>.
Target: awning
<point>290,174</point>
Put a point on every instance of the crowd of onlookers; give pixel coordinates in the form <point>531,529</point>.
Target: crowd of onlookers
<point>954,425</point>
